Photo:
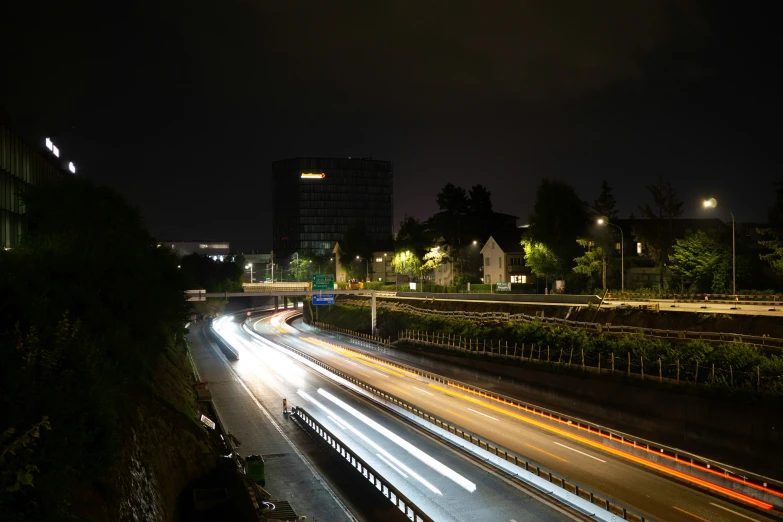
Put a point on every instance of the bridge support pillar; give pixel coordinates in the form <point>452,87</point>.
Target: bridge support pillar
<point>277,303</point>
<point>373,326</point>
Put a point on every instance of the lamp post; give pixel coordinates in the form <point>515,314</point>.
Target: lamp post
<point>713,203</point>
<point>250,266</point>
<point>367,264</point>
<point>605,221</point>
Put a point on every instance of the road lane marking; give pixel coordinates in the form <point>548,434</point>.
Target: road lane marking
<point>732,511</point>
<point>598,445</point>
<point>460,416</point>
<point>581,452</point>
<point>422,391</point>
<point>484,414</point>
<point>392,466</point>
<point>381,374</point>
<point>543,451</point>
<point>697,517</point>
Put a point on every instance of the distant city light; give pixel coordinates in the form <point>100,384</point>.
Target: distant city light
<point>55,150</point>
<point>313,175</point>
<point>72,167</point>
<point>49,144</point>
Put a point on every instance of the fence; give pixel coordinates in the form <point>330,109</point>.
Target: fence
<point>408,508</point>
<point>760,341</point>
<point>755,299</point>
<point>669,372</point>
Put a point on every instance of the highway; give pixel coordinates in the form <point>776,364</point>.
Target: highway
<point>561,450</point>
<point>447,485</point>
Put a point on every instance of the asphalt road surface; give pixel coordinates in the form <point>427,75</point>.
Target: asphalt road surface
<point>444,483</point>
<point>542,441</point>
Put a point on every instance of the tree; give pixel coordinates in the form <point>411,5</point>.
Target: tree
<point>606,204</point>
<point>665,208</point>
<point>559,218</point>
<point>433,259</point>
<point>540,259</point>
<point>90,306</point>
<point>214,276</point>
<point>700,262</point>
<point>355,243</point>
<point>406,262</point>
<point>411,237</point>
<point>775,245</point>
<point>480,201</point>
<point>593,261</point>
<point>450,222</point>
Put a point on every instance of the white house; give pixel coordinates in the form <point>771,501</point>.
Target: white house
<point>504,260</point>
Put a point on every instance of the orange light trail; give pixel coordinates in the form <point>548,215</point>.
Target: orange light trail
<point>621,441</point>
<point>644,462</point>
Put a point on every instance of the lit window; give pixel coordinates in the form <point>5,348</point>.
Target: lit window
<point>617,246</point>
<point>519,279</point>
<point>639,248</point>
<point>379,260</point>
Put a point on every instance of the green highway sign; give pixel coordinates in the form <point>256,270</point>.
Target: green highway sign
<point>323,282</point>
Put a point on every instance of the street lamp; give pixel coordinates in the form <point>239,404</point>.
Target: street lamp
<point>713,203</point>
<point>250,266</point>
<point>605,221</point>
<point>367,263</point>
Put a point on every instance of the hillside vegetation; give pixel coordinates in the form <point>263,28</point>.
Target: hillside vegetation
<point>93,378</point>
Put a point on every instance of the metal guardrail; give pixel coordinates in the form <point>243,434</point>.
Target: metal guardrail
<point>403,503</point>
<point>599,500</point>
<point>760,341</point>
<point>770,490</point>
<point>757,299</point>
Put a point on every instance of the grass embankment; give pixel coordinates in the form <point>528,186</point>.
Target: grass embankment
<point>738,367</point>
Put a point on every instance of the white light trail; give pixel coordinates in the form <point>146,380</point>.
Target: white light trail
<point>375,446</point>
<point>404,444</point>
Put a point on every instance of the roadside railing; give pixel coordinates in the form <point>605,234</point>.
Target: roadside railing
<point>756,299</point>
<point>749,483</point>
<point>673,373</point>
<point>403,503</point>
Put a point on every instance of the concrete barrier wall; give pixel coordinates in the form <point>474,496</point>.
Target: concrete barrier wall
<point>745,434</point>
<point>514,298</point>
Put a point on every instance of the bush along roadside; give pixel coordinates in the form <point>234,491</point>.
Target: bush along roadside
<point>731,367</point>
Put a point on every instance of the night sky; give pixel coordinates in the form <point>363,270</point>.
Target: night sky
<point>182,106</point>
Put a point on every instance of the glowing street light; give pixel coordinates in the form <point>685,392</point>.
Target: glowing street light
<point>367,263</point>
<point>250,266</point>
<point>605,221</point>
<point>713,203</point>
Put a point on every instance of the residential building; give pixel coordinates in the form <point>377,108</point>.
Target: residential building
<point>381,269</point>
<point>504,260</point>
<point>317,200</point>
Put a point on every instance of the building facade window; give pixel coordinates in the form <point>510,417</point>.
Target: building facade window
<point>519,279</point>
<point>639,248</point>
<point>500,262</point>
<point>486,261</point>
